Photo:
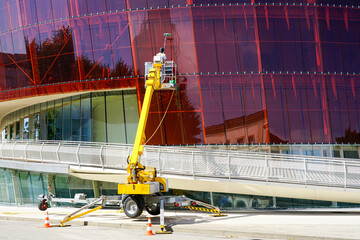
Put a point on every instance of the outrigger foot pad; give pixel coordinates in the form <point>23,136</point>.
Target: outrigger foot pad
<point>218,215</point>
<point>164,231</point>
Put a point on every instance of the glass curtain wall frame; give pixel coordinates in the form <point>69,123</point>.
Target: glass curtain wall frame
<point>86,117</point>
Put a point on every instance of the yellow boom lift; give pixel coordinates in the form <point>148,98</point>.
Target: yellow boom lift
<point>143,186</point>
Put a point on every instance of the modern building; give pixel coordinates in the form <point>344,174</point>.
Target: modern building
<point>266,75</point>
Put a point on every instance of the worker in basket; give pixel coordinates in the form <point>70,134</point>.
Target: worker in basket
<point>161,58</point>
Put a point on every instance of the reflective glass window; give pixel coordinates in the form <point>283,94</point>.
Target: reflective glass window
<point>338,107</point>
<point>245,35</point>
<point>50,121</point>
<point>36,123</point>
<point>299,119</point>
<point>277,108</point>
<point>75,118</point>
<point>43,121</point>
<point>60,8</point>
<point>26,128</point>
<point>28,11</point>
<point>15,14</point>
<point>83,47</point>
<point>183,38</point>
<point>66,128</point>
<point>100,39</point>
<point>119,46</point>
<point>116,125</point>
<point>44,10</point>
<point>116,5</point>
<point>85,117</point>
<point>206,49</point>
<point>78,7</point>
<point>4,17</point>
<point>211,93</point>
<point>97,6</point>
<point>131,115</point>
<point>58,117</point>
<point>98,117</point>
<point>25,188</point>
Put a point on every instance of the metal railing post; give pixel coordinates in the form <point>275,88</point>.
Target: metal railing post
<point>345,175</point>
<point>305,172</point>
<point>229,170</point>
<point>41,155</point>
<point>25,155</point>
<point>193,163</point>
<point>13,154</point>
<point>57,152</point>
<point>101,157</point>
<point>77,154</point>
<point>267,168</point>
<point>159,160</point>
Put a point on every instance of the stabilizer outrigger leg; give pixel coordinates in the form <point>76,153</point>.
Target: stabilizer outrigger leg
<point>74,215</point>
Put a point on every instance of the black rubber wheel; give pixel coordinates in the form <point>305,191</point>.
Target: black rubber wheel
<point>153,209</point>
<point>43,205</point>
<point>133,207</point>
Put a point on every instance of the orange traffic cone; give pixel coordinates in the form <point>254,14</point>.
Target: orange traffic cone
<point>47,223</point>
<point>149,228</point>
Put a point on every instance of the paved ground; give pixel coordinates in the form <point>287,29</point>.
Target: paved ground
<point>325,224</point>
<point>25,230</point>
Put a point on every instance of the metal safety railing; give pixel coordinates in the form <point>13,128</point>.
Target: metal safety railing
<point>232,165</point>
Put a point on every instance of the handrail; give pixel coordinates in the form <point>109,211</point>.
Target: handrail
<point>194,162</point>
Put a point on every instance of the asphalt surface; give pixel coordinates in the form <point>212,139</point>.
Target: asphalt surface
<point>24,230</point>
<point>326,224</point>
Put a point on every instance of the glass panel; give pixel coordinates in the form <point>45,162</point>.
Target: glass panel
<point>77,185</point>
<point>83,47</point>
<point>12,131</point>
<point>43,121</point>
<point>183,33</point>
<point>15,14</point>
<point>205,40</point>
<point>277,108</point>
<point>50,121</point>
<point>4,18</point>
<point>62,187</point>
<point>245,35</point>
<point>120,45</point>
<point>28,12</point>
<point>224,25</point>
<point>98,117</point>
<point>37,185</point>
<point>85,117</point>
<point>116,130</point>
<point>131,115</point>
<point>96,6</point>
<point>100,39</point>
<point>212,99</point>
<point>60,8</point>
<point>116,5</point>
<point>44,10</point>
<point>26,189</point>
<point>26,128</point>
<point>75,118</point>
<point>66,119</point>
<point>58,119</point>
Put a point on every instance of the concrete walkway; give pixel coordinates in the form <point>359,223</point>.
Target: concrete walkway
<point>312,224</point>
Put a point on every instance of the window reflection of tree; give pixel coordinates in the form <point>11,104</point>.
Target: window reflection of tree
<point>58,62</point>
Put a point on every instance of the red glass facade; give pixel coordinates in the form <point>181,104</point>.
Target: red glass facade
<point>249,71</point>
